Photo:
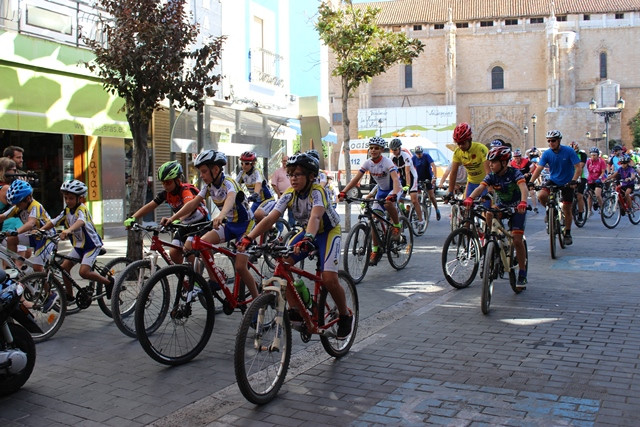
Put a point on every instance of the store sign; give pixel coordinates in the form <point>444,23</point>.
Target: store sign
<point>93,171</point>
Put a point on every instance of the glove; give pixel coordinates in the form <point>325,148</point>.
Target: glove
<point>175,221</point>
<point>254,197</point>
<point>342,195</point>
<point>129,221</point>
<point>447,197</point>
<point>531,185</point>
<point>306,244</point>
<point>363,205</point>
<point>572,182</point>
<point>405,188</point>
<point>392,198</point>
<point>468,202</point>
<point>244,243</point>
<point>522,207</point>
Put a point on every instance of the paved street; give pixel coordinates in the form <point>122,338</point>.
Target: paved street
<point>564,352</point>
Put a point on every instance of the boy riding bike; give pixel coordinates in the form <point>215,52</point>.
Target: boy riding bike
<point>408,174</point>
<point>261,196</point>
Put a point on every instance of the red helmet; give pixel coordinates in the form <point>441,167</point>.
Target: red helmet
<point>248,156</point>
<point>462,132</point>
<point>499,153</point>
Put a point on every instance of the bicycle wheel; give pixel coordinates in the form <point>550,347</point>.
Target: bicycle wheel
<point>415,220</point>
<point>455,219</point>
<point>579,221</point>
<point>328,312</point>
<point>461,255</point>
<point>262,350</point>
<point>513,277</point>
<point>174,334</point>
<point>634,210</point>
<point>277,232</point>
<point>610,211</point>
<point>490,273</point>
<point>399,251</point>
<point>357,250</point>
<point>11,382</point>
<point>551,224</point>
<point>112,269</point>
<point>49,321</point>
<point>560,227</point>
<point>125,293</point>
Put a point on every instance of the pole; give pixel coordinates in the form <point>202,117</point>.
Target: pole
<point>606,130</point>
<point>534,134</point>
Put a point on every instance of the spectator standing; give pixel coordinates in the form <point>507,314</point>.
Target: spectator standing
<point>280,183</point>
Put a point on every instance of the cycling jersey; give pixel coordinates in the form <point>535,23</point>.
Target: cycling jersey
<point>583,159</point>
<point>594,169</point>
<point>177,199</point>
<point>625,173</point>
<point>321,178</point>
<point>86,237</point>
<point>240,211</point>
<point>34,210</point>
<point>423,166</point>
<point>401,161</point>
<point>506,186</point>
<point>251,179</point>
<point>301,205</point>
<point>380,171</point>
<point>473,160</point>
<point>561,164</point>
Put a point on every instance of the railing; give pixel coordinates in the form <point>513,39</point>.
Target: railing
<point>265,67</point>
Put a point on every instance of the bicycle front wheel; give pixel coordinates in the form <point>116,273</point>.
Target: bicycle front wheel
<point>174,333</point>
<point>490,273</point>
<point>399,251</point>
<point>43,286</point>
<point>461,258</point>
<point>125,294</point>
<point>634,210</point>
<point>328,317</point>
<point>610,211</point>
<point>262,350</point>
<point>111,271</point>
<point>357,250</point>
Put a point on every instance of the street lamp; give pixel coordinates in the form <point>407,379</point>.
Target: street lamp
<point>380,127</point>
<point>525,130</point>
<point>534,120</point>
<point>607,113</point>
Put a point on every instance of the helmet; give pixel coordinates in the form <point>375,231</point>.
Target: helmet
<point>169,170</point>
<point>418,149</point>
<point>74,186</point>
<point>496,143</point>
<point>625,159</point>
<point>380,142</point>
<point>534,152</point>
<point>594,150</point>
<point>617,147</point>
<point>574,145</point>
<point>18,191</point>
<point>306,161</point>
<point>462,132</point>
<point>248,156</point>
<point>517,153</point>
<point>554,134</point>
<point>212,157</point>
<point>395,144</point>
<point>314,153</point>
<point>499,153</point>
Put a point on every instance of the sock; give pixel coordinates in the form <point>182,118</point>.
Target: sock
<point>374,249</point>
<point>398,225</point>
<point>522,273</point>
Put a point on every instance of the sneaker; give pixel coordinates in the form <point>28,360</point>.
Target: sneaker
<point>395,234</point>
<point>567,238</point>
<point>374,258</point>
<point>71,300</point>
<point>521,284</point>
<point>53,297</point>
<point>344,326</point>
<point>421,226</point>
<point>438,216</point>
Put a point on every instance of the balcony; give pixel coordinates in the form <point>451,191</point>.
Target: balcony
<point>265,67</point>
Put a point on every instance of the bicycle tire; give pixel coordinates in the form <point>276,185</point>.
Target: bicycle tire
<point>187,323</point>
<point>261,372</point>
<point>610,212</point>
<point>125,294</point>
<point>399,252</point>
<point>634,210</point>
<point>489,275</point>
<point>551,223</point>
<point>51,320</point>
<point>273,234</point>
<point>23,341</point>
<point>357,251</point>
<point>513,277</point>
<point>574,212</point>
<point>561,227</point>
<point>328,312</point>
<point>461,254</point>
<point>112,269</point>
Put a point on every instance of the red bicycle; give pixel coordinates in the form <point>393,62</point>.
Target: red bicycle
<point>615,205</point>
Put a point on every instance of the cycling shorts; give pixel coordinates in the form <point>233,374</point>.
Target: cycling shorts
<point>566,191</point>
<point>328,244</point>
<point>582,183</point>
<point>594,185</point>
<point>86,257</point>
<point>233,230</point>
<point>265,205</point>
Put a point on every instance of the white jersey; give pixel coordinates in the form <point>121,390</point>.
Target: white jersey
<point>402,161</point>
<point>380,171</point>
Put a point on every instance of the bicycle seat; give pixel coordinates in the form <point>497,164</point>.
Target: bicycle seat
<point>102,251</point>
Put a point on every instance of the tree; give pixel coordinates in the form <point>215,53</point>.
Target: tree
<point>362,50</point>
<point>634,126</point>
<point>146,58</point>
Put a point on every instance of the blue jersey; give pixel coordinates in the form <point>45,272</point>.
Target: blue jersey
<point>561,164</point>
<point>423,166</point>
<point>506,186</point>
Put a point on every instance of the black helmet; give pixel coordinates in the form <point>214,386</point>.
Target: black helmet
<point>314,153</point>
<point>306,161</point>
<point>395,144</point>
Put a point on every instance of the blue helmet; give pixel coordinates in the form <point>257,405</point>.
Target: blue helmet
<point>18,191</point>
<point>496,143</point>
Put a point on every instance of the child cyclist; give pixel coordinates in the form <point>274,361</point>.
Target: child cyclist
<point>510,187</point>
<point>262,197</point>
<point>232,203</point>
<point>627,177</point>
<point>311,207</point>
<point>79,228</point>
<point>385,173</point>
<point>176,193</point>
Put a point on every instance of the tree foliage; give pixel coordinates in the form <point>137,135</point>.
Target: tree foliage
<point>148,56</point>
<point>362,50</point>
<point>634,126</point>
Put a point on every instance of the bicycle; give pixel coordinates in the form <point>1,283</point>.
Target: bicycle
<point>554,218</point>
<point>174,314</point>
<point>588,197</point>
<point>499,254</point>
<point>357,249</point>
<point>263,343</point>
<point>425,206</point>
<point>615,205</point>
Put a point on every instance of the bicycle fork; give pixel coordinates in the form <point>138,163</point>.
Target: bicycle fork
<point>279,287</point>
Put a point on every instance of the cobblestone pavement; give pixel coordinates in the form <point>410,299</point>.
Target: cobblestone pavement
<point>564,352</point>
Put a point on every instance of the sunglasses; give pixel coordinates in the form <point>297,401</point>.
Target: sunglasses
<point>552,140</point>
<point>246,163</point>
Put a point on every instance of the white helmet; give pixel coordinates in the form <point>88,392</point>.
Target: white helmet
<point>74,186</point>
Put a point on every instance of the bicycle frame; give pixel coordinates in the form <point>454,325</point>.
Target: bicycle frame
<point>371,215</point>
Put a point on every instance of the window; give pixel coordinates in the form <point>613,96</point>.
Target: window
<point>337,118</point>
<point>417,27</point>
<point>619,15</point>
<point>586,17</point>
<point>561,18</point>
<point>438,26</point>
<point>497,78</point>
<point>603,65</point>
<point>462,25</point>
<point>396,28</point>
<point>486,23</point>
<point>510,22</point>
<point>536,20</point>
<point>408,76</point>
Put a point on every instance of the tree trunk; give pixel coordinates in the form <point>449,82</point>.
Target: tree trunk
<point>139,174</point>
<point>347,149</point>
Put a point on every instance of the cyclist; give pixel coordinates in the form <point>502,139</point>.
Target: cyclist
<point>627,177</point>
<point>261,195</point>
<point>311,208</point>
<point>176,193</point>
<point>385,173</point>
<point>79,228</point>
<point>427,173</point>
<point>564,168</point>
<point>582,181</point>
<point>408,174</point>
<point>322,177</point>
<point>471,155</point>
<point>524,165</point>
<point>596,172</point>
<point>510,187</point>
<point>614,161</point>
<point>229,198</point>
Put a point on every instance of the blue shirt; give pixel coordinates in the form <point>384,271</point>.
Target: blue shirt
<point>561,164</point>
<point>506,186</point>
<point>423,166</point>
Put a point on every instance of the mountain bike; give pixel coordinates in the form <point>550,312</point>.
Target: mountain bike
<point>410,213</point>
<point>554,218</point>
<point>357,249</point>
<point>588,198</point>
<point>615,205</point>
<point>263,343</point>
